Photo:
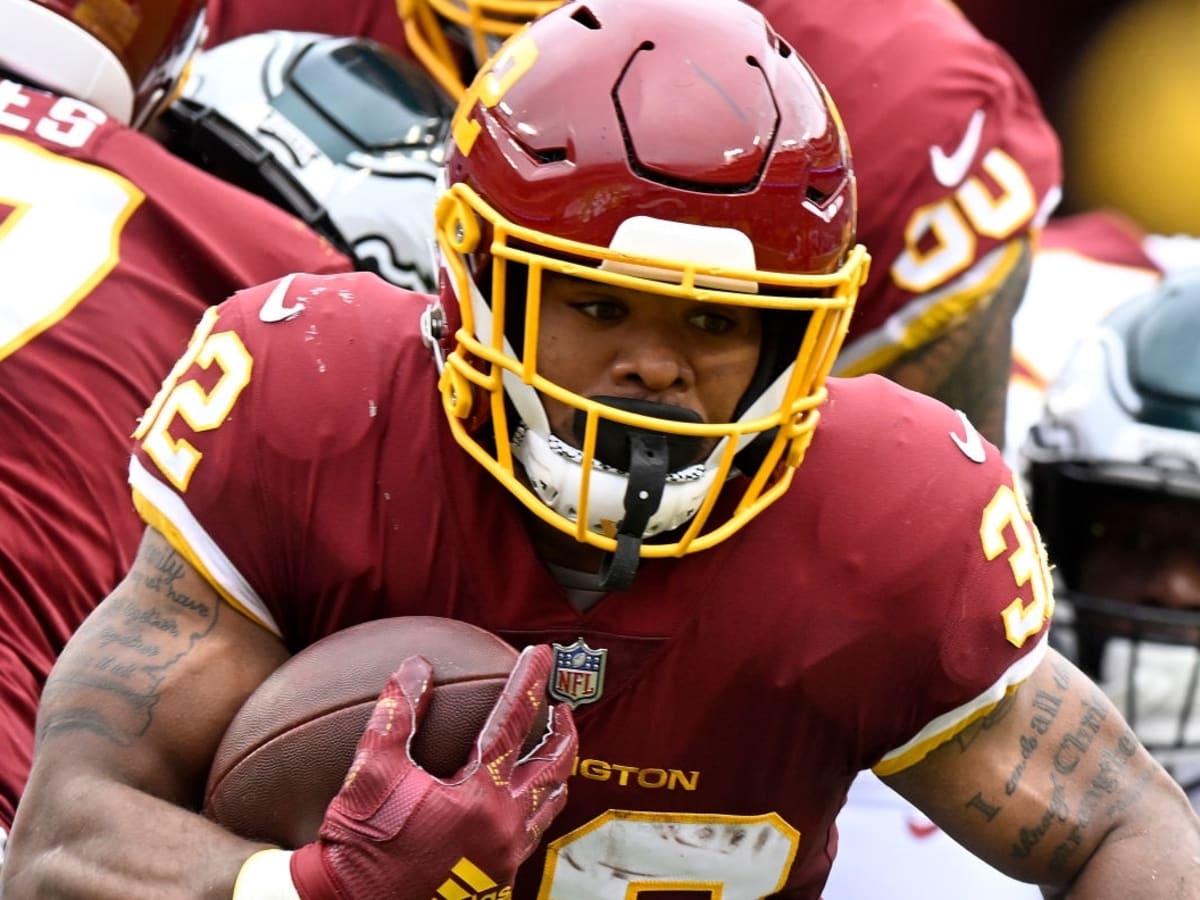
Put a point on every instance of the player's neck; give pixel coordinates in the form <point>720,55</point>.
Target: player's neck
<point>575,566</point>
<point>555,548</point>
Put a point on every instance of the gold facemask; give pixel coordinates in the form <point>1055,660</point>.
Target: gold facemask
<point>484,379</point>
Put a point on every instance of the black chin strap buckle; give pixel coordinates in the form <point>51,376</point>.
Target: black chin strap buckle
<point>648,468</point>
<point>648,457</point>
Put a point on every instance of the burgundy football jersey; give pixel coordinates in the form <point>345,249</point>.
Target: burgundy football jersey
<point>954,155</point>
<point>726,701</point>
<point>110,250</point>
<point>376,19</point>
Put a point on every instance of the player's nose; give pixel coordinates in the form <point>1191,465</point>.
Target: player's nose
<point>1174,582</point>
<point>654,363</point>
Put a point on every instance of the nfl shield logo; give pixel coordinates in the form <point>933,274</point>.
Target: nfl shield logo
<point>578,673</point>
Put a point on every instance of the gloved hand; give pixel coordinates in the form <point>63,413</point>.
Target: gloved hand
<point>394,830</point>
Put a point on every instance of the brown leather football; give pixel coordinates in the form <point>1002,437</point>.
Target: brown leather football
<point>288,749</point>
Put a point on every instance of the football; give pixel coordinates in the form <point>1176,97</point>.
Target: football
<point>287,751</point>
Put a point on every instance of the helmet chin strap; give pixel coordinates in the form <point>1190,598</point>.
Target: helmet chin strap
<point>648,457</point>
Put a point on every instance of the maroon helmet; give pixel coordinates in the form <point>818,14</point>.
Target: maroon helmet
<point>675,147</point>
<point>123,56</point>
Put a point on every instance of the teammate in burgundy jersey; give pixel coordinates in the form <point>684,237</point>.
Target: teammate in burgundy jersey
<point>958,167</point>
<point>379,21</point>
<point>110,251</point>
<point>612,432</point>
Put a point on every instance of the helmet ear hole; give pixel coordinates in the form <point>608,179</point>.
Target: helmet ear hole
<point>457,224</point>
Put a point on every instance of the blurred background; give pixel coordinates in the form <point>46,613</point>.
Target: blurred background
<point>1120,79</point>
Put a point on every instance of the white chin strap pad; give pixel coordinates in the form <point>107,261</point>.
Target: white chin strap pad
<point>555,472</point>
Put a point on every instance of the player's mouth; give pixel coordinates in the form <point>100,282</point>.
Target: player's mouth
<point>623,446</point>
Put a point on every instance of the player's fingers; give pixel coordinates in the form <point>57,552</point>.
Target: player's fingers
<point>560,737</point>
<point>523,697</point>
<point>382,756</point>
<point>548,805</point>
<point>541,781</point>
<point>398,708</point>
<point>551,764</point>
<point>412,679</point>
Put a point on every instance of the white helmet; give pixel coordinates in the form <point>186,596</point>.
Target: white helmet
<point>1114,469</point>
<point>344,132</point>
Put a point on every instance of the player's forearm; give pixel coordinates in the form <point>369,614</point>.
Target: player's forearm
<point>1143,858</point>
<point>96,840</point>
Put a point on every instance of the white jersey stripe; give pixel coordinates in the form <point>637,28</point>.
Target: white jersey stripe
<point>198,547</point>
<point>946,725</point>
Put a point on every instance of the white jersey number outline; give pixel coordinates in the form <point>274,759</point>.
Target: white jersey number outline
<point>940,238</point>
<point>202,410</point>
<point>626,855</point>
<point>74,209</point>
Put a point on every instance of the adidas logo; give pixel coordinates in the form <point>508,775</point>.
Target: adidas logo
<point>469,882</point>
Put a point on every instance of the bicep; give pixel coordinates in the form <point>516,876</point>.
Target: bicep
<point>1039,784</point>
<point>144,689</point>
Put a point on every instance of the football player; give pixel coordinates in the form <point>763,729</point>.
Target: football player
<point>957,165</point>
<point>935,317</point>
<point>612,431</point>
<point>1114,466</point>
<point>110,250</point>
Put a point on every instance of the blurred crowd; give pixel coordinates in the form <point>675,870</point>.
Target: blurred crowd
<point>1120,80</point>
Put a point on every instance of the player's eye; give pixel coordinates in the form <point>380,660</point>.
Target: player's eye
<point>602,310</point>
<point>714,322</point>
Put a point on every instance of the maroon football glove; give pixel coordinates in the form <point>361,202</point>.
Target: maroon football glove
<point>394,830</point>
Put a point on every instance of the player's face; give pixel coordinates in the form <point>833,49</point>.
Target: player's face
<point>1145,552</point>
<point>599,340</point>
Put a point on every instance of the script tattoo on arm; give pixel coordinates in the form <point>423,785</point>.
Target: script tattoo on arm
<point>1046,705</point>
<point>110,682</point>
<point>965,738</point>
<point>1104,795</point>
<point>1085,773</point>
<point>1053,787</point>
<point>1044,710</point>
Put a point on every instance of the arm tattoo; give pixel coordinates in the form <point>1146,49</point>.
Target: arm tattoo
<point>1044,710</point>
<point>1057,811</point>
<point>1105,794</point>
<point>147,626</point>
<point>968,366</point>
<point>999,712</point>
<point>1075,745</point>
<point>1095,768</point>
<point>1046,706</point>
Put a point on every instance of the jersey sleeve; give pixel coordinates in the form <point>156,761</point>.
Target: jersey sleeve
<point>232,457</point>
<point>947,565</point>
<point>989,575</point>
<point>955,160</point>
